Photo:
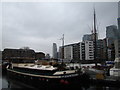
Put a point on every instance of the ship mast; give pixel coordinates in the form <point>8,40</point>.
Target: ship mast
<point>95,38</point>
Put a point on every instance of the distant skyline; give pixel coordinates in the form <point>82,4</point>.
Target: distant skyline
<point>38,25</point>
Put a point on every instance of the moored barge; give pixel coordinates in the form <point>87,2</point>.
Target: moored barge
<point>47,76</point>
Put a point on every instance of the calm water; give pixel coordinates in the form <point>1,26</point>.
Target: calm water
<point>12,84</point>
<point>6,83</point>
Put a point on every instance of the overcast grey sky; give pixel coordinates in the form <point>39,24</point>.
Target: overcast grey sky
<point>38,25</point>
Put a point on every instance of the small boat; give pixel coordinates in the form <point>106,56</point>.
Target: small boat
<point>47,76</point>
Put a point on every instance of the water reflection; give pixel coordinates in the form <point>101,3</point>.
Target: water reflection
<point>12,84</point>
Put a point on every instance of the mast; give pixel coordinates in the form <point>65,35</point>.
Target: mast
<point>94,39</point>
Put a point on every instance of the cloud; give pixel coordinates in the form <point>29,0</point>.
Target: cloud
<point>38,25</point>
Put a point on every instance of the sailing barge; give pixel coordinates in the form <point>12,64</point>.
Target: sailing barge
<point>47,76</point>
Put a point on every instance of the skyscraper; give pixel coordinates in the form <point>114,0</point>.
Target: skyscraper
<point>111,34</point>
<point>119,26</point>
<point>117,48</point>
<point>119,23</point>
<point>54,51</point>
<point>111,31</point>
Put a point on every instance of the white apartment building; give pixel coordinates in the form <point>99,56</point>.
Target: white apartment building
<point>68,52</point>
<point>89,50</point>
<point>79,51</point>
<point>82,51</point>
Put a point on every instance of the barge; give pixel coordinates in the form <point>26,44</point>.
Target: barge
<point>47,76</point>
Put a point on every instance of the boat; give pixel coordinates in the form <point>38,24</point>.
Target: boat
<point>115,71</point>
<point>47,76</point>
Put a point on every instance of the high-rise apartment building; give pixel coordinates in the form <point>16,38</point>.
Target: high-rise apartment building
<point>111,34</point>
<point>82,51</point>
<point>76,51</point>
<point>119,26</point>
<point>79,51</point>
<point>118,23</point>
<point>100,49</point>
<point>55,51</point>
<point>89,50</point>
<point>68,52</point>
<point>71,52</point>
<point>117,48</point>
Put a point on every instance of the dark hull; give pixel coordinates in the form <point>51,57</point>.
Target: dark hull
<point>45,82</point>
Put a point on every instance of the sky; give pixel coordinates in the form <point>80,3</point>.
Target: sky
<point>40,24</point>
